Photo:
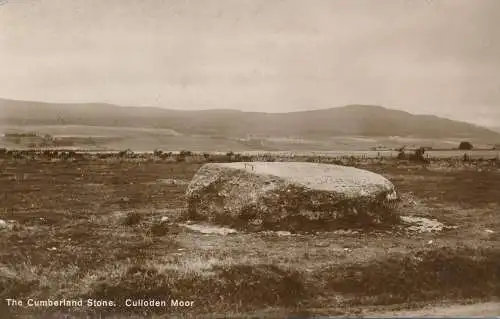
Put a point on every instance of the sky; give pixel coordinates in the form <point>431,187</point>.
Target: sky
<point>437,57</point>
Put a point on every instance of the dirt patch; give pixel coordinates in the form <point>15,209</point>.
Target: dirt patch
<point>490,309</point>
<point>422,224</point>
<point>170,181</point>
<point>209,229</point>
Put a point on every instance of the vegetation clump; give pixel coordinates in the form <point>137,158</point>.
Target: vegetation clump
<point>465,145</point>
<point>132,218</point>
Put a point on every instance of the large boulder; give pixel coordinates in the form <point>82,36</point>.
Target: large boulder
<point>290,195</point>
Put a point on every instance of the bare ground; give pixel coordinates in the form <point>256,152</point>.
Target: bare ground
<point>109,230</point>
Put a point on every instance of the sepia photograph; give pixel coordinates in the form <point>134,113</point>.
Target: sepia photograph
<point>249,159</point>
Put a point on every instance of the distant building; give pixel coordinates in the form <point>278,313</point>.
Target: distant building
<point>380,148</point>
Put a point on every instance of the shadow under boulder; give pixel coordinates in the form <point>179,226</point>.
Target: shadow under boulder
<point>290,196</point>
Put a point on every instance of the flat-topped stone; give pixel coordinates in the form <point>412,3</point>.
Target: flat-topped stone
<point>345,179</point>
<point>278,194</point>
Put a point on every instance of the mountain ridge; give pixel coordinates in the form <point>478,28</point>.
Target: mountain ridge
<point>353,119</point>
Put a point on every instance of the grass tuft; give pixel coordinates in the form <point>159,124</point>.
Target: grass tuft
<point>424,276</point>
<point>132,218</point>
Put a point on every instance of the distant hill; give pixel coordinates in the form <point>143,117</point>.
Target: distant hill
<point>351,120</point>
<point>495,128</point>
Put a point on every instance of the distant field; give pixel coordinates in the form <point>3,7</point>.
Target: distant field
<point>149,139</point>
<point>374,154</point>
<point>340,154</point>
<point>84,131</point>
<point>473,154</point>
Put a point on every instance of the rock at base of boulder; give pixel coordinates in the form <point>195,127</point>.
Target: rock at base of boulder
<point>290,196</point>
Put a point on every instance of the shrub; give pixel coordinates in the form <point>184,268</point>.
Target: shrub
<point>132,218</point>
<point>465,145</point>
<point>180,157</point>
<point>416,156</point>
<point>157,153</point>
<point>159,229</point>
<point>126,153</point>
